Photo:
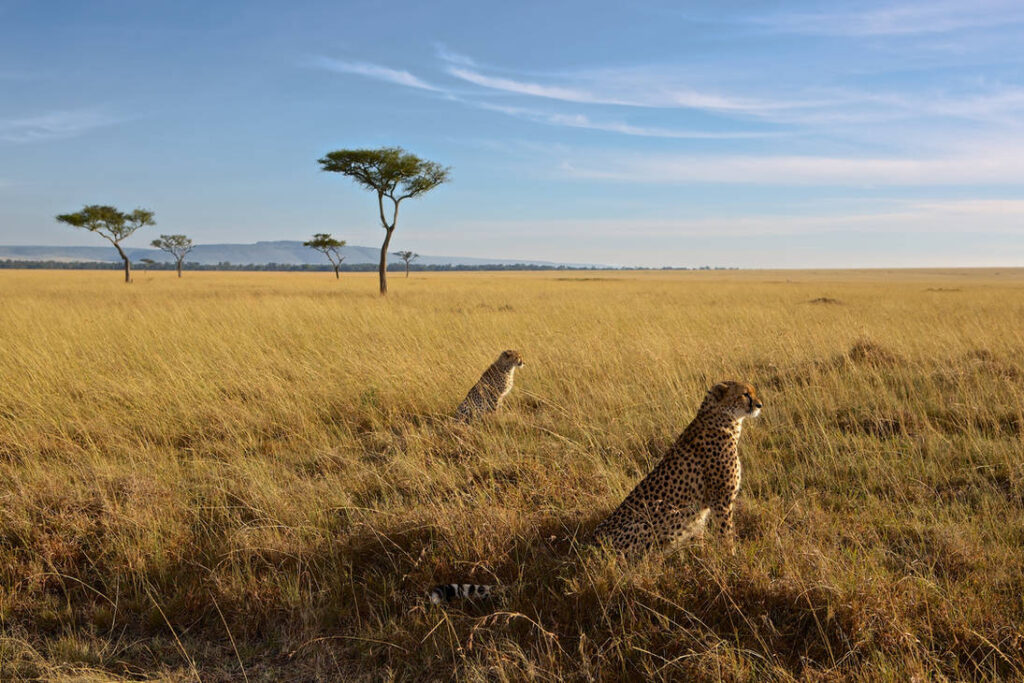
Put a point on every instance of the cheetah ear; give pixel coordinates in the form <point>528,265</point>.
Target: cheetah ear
<point>719,390</point>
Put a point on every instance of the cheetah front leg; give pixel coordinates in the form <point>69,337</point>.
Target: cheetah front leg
<point>721,513</point>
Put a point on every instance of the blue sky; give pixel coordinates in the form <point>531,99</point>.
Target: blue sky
<point>734,133</point>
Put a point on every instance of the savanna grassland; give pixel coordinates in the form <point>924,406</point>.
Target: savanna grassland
<point>253,475</point>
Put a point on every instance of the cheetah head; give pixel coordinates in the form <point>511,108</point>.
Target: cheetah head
<point>739,399</point>
<point>511,359</point>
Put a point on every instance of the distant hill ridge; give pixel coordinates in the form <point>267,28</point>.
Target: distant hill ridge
<point>287,252</point>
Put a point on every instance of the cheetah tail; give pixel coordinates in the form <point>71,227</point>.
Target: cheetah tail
<point>446,592</point>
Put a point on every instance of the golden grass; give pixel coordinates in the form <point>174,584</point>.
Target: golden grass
<point>253,475</point>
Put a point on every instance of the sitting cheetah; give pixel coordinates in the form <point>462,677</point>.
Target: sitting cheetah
<point>699,474</point>
<point>487,394</point>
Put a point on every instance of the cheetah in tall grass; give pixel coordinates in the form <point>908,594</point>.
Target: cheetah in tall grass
<point>488,393</point>
<point>698,475</point>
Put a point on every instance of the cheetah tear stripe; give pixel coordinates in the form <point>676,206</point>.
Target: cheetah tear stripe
<point>446,592</point>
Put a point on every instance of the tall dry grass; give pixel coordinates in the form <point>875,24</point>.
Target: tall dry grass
<point>252,475</point>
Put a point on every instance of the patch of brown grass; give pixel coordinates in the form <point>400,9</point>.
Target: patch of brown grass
<point>256,473</point>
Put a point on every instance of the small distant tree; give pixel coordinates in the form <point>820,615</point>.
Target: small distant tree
<point>408,257</point>
<point>113,225</point>
<point>148,262</point>
<point>177,246</point>
<point>329,247</point>
<point>393,173</point>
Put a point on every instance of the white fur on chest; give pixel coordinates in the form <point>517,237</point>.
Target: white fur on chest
<point>507,386</point>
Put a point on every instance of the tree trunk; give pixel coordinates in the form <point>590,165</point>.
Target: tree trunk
<point>407,269</point>
<point>384,262</point>
<point>179,268</point>
<point>336,275</point>
<point>127,263</point>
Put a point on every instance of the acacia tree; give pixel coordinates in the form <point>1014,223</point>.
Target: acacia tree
<point>113,225</point>
<point>407,256</point>
<point>329,247</point>
<point>392,173</point>
<point>177,246</point>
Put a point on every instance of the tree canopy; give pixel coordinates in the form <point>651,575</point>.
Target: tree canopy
<point>112,224</point>
<point>408,257</point>
<point>107,221</point>
<point>177,246</point>
<point>325,243</point>
<point>390,172</point>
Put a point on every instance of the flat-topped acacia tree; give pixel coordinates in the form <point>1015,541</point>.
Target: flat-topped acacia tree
<point>329,247</point>
<point>391,172</point>
<point>177,246</point>
<point>113,225</point>
<point>408,257</point>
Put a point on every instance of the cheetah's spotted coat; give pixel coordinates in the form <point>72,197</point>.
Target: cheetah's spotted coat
<point>488,393</point>
<point>698,474</point>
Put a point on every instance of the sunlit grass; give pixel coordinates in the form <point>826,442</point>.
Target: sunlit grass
<point>259,468</point>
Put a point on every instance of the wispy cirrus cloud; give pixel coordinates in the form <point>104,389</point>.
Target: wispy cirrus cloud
<point>898,20</point>
<point>588,123</point>
<point>649,87</point>
<point>959,216</point>
<point>797,107</point>
<point>55,125</point>
<point>509,85</point>
<point>572,120</point>
<point>664,87</point>
<point>374,71</point>
<point>995,166</point>
<point>675,86</point>
<point>644,87</point>
<point>451,57</point>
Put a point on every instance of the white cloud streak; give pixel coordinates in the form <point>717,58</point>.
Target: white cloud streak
<point>587,123</point>
<point>996,166</point>
<point>582,121</point>
<point>655,87</point>
<point>446,55</point>
<point>509,85</point>
<point>957,217</point>
<point>666,88</point>
<point>644,88</point>
<point>374,71</point>
<point>55,125</point>
<point>899,20</point>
